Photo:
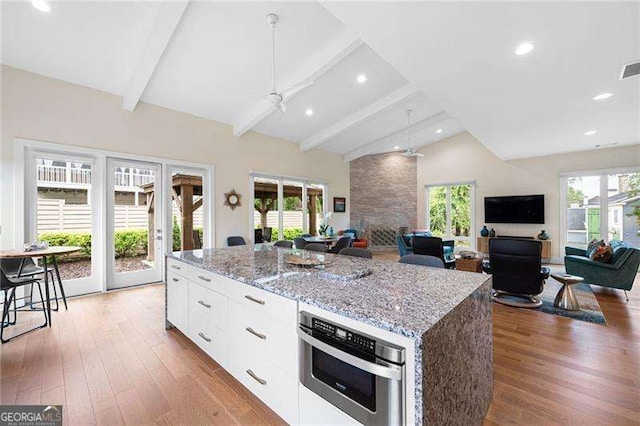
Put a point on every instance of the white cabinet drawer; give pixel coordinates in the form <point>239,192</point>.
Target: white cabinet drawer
<point>177,267</point>
<point>272,385</point>
<point>209,338</point>
<point>208,304</point>
<point>254,332</point>
<point>317,411</point>
<point>210,280</point>
<point>178,301</point>
<point>273,305</point>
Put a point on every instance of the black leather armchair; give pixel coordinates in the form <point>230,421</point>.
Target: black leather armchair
<point>516,266</point>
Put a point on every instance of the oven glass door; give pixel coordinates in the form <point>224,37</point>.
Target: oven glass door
<point>356,384</point>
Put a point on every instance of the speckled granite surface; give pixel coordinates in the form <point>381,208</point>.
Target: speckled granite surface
<point>405,299</point>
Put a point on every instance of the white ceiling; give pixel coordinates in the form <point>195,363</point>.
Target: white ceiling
<point>452,63</point>
<point>462,56</point>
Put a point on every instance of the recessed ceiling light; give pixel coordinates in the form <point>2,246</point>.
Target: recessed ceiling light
<point>396,147</point>
<point>524,48</point>
<point>439,131</point>
<point>602,96</point>
<point>362,78</point>
<point>309,112</point>
<point>41,5</point>
<point>590,133</point>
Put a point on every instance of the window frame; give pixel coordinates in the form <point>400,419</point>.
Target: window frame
<point>603,174</point>
<point>472,205</point>
<point>305,182</point>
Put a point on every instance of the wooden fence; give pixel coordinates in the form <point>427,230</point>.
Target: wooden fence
<point>56,215</point>
<point>291,219</point>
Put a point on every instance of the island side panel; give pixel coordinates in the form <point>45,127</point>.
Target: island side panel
<point>457,356</point>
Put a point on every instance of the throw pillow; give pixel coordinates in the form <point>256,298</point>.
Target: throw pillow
<point>602,254</point>
<point>593,245</point>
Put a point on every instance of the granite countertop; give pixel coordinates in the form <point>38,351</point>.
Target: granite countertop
<point>404,299</point>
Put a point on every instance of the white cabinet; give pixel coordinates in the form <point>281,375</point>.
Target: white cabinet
<point>178,301</point>
<point>316,411</point>
<point>208,316</point>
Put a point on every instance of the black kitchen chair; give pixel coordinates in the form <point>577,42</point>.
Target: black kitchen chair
<point>319,247</point>
<point>25,267</point>
<point>283,243</point>
<point>342,243</point>
<point>423,260</point>
<point>8,286</point>
<point>432,246</point>
<point>236,241</point>
<point>300,243</point>
<point>356,252</point>
<point>267,232</point>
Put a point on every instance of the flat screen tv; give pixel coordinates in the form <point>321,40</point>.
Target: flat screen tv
<point>514,209</point>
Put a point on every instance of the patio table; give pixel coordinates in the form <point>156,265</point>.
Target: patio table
<point>51,252</point>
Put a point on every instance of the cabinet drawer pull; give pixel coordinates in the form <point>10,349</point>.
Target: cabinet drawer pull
<point>175,267</point>
<point>253,299</point>
<point>204,278</point>
<point>255,333</point>
<point>202,302</point>
<point>256,378</point>
<point>175,280</point>
<point>201,334</point>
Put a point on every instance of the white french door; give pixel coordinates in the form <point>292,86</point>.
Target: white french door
<point>134,223</point>
<point>63,208</point>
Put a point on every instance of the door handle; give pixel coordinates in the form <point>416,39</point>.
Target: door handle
<point>204,304</point>
<point>204,278</point>
<point>253,299</point>
<point>175,280</point>
<point>263,382</point>
<point>207,339</point>
<point>175,267</point>
<point>255,333</point>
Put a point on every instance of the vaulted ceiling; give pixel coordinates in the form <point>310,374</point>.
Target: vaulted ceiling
<point>452,64</point>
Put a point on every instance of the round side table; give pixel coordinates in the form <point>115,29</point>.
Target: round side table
<point>566,298</point>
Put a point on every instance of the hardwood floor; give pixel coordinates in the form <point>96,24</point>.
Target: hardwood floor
<point>109,360</point>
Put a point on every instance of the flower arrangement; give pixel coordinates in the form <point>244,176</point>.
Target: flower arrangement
<point>324,225</point>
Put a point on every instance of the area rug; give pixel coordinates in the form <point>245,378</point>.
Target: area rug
<point>590,310</point>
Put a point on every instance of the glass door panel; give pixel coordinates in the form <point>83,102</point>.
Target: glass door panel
<point>460,230</point>
<point>315,207</point>
<point>265,203</point>
<point>624,208</point>
<point>437,222</point>
<point>65,217</point>
<point>293,220</point>
<point>134,223</point>
<point>583,210</point>
<point>187,211</point>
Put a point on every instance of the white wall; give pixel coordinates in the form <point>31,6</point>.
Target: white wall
<point>40,108</point>
<point>463,158</point>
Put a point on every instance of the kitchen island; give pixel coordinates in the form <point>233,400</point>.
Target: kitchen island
<point>242,306</point>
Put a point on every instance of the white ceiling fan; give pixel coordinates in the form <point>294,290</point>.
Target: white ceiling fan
<point>275,97</point>
<point>410,152</point>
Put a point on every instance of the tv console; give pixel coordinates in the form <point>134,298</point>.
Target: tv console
<point>483,244</point>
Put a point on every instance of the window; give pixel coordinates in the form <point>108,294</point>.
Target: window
<point>292,205</point>
<point>602,205</point>
<point>450,212</point>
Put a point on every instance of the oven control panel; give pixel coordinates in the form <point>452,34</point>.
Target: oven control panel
<point>355,340</point>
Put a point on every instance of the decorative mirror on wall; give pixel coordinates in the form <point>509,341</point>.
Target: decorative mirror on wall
<point>232,199</point>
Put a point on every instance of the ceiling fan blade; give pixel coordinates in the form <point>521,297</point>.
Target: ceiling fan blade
<point>288,91</point>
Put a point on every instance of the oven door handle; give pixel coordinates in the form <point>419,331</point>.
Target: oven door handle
<point>392,372</point>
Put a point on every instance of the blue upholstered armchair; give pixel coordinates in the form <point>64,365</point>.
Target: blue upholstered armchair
<point>619,273</point>
<point>404,245</point>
